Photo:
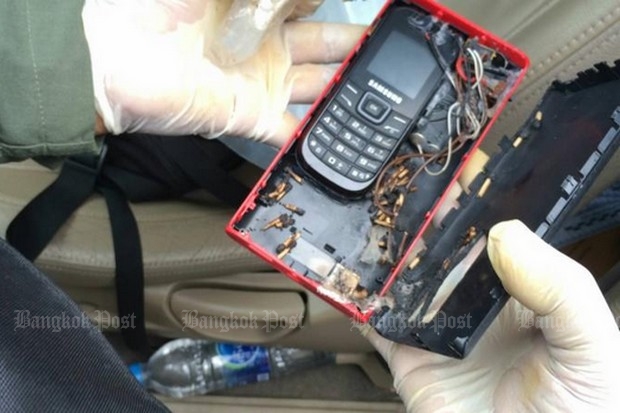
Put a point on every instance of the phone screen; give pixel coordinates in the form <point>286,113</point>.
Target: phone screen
<point>401,55</point>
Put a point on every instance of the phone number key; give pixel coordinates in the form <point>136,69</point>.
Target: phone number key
<point>359,175</point>
<point>344,151</point>
<point>361,129</point>
<point>368,164</point>
<point>336,163</point>
<point>376,153</point>
<point>351,139</point>
<point>316,147</point>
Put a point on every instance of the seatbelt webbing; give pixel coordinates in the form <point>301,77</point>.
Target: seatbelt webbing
<point>35,225</point>
<point>129,276</point>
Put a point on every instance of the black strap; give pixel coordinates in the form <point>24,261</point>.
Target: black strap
<point>35,226</point>
<point>129,277</point>
<point>137,168</point>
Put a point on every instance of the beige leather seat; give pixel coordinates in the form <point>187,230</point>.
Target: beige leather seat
<point>197,279</point>
<point>193,269</point>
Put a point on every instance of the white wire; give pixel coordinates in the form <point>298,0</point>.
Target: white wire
<point>446,164</point>
<point>450,111</point>
<point>451,79</point>
<point>449,155</point>
<point>478,67</point>
<point>479,75</point>
<point>473,122</point>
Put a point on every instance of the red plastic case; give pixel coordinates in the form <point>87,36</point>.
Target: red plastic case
<point>515,56</point>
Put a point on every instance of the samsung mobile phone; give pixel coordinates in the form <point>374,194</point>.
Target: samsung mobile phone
<point>375,104</point>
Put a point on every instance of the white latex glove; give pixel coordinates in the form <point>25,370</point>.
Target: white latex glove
<point>568,362</point>
<point>151,73</point>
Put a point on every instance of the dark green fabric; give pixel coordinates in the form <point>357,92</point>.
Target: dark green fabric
<point>46,93</point>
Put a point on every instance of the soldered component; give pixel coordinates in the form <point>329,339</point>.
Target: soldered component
<point>400,201</point>
<point>517,142</point>
<point>398,179</point>
<point>403,172</point>
<point>293,175</point>
<point>383,220</point>
<point>283,253</point>
<point>265,200</point>
<point>295,209</point>
<point>281,222</point>
<point>386,222</point>
<point>484,188</point>
<point>283,249</point>
<point>281,190</point>
<point>471,233</point>
<point>414,263</point>
<point>287,188</point>
<point>537,120</point>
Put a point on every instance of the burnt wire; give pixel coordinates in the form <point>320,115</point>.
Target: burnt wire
<point>465,120</point>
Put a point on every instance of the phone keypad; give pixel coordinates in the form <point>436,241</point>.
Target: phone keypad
<point>358,175</point>
<point>376,153</point>
<point>331,123</point>
<point>339,112</point>
<point>344,151</point>
<point>336,163</point>
<point>352,140</point>
<point>349,143</point>
<point>383,141</point>
<point>360,128</point>
<point>316,148</point>
<point>368,164</point>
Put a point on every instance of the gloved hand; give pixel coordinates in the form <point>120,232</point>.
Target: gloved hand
<point>155,69</point>
<point>554,348</point>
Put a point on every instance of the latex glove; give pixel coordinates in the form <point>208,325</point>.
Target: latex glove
<point>568,362</point>
<point>151,73</point>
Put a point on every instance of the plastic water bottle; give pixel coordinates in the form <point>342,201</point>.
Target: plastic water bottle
<point>188,367</point>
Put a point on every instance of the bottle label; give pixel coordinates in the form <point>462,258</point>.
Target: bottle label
<point>243,364</point>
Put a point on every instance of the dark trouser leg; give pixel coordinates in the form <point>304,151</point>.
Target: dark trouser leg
<point>51,360</point>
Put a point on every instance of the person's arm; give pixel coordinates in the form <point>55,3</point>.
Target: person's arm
<point>46,92</point>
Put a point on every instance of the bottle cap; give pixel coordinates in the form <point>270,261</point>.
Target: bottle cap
<point>137,369</point>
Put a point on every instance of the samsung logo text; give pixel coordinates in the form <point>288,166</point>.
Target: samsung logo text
<point>385,91</point>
